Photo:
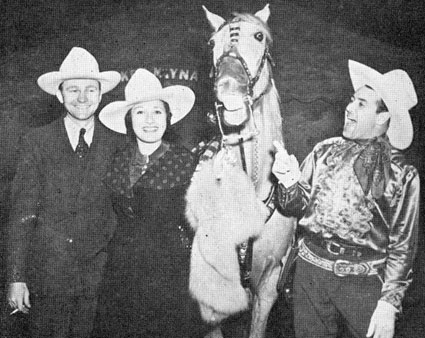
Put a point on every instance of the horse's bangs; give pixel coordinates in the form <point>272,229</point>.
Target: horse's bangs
<point>252,19</point>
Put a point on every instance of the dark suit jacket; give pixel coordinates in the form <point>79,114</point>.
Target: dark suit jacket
<point>61,217</point>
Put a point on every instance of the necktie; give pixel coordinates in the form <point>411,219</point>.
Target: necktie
<point>82,146</point>
<point>372,166</point>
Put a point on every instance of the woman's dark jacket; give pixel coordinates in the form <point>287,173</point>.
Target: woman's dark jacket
<point>145,289</point>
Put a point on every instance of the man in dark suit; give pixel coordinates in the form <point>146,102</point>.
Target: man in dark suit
<point>61,217</point>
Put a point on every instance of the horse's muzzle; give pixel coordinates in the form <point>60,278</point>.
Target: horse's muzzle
<point>231,81</point>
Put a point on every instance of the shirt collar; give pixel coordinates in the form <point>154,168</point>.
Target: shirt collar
<point>73,131</point>
<point>138,157</point>
<point>70,123</point>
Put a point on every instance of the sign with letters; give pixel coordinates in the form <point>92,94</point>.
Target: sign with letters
<point>179,74</point>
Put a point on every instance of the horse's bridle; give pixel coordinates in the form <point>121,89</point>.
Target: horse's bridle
<point>252,80</point>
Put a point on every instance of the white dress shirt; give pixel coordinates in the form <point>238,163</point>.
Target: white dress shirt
<point>73,131</point>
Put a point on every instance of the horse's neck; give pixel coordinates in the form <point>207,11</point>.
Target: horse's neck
<point>259,150</point>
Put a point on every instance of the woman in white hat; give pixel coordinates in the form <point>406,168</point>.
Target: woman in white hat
<point>145,289</point>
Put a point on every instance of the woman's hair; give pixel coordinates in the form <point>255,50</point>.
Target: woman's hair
<point>169,135</point>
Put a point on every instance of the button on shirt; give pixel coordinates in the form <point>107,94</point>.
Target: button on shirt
<point>73,131</point>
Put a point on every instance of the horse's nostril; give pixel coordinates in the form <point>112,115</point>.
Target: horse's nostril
<point>230,85</point>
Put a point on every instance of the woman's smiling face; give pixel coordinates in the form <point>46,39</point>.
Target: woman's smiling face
<point>149,121</point>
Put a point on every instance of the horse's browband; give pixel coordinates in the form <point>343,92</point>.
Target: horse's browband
<point>234,19</point>
<point>228,22</point>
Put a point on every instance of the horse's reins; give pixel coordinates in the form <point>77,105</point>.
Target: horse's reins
<point>245,249</point>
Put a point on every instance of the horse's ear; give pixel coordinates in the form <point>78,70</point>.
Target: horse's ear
<point>263,14</point>
<point>215,20</point>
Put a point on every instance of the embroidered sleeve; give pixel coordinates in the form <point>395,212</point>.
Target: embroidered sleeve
<point>25,201</point>
<point>210,149</point>
<point>403,239</point>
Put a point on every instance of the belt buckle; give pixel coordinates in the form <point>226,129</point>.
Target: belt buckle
<point>331,244</point>
<point>342,268</point>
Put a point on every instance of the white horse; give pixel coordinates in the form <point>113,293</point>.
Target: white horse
<point>231,200</point>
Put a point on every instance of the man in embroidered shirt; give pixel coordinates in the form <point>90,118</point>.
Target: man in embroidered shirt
<point>61,217</point>
<point>358,204</point>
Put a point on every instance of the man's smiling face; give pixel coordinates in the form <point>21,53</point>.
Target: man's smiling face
<point>81,97</point>
<point>361,115</point>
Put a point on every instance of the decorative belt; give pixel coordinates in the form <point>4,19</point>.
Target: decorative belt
<point>337,248</point>
<point>341,267</point>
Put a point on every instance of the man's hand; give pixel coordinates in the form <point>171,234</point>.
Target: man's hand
<point>382,323</point>
<point>285,166</point>
<point>19,297</point>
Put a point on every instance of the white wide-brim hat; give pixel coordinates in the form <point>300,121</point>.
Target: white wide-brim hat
<point>398,93</point>
<point>144,86</point>
<point>78,64</point>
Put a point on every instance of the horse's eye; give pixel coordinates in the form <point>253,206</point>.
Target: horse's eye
<point>259,36</point>
<point>211,43</point>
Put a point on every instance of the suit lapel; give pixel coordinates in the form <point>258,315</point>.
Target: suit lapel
<point>58,149</point>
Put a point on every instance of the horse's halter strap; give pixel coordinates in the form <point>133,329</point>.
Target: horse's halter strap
<point>252,80</point>
<point>234,29</point>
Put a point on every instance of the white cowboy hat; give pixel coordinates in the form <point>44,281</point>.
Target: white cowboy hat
<point>78,64</point>
<point>398,93</point>
<point>144,86</point>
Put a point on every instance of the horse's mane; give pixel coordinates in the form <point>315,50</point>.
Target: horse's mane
<point>268,112</point>
<point>270,107</point>
<point>252,19</point>
<point>273,100</point>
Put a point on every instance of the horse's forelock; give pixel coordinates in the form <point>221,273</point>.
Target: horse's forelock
<point>252,19</point>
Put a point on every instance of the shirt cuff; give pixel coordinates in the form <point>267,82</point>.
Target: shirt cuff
<point>394,299</point>
<point>388,307</point>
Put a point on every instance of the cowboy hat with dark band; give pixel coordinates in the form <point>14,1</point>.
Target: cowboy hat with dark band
<point>144,86</point>
<point>78,64</point>
<point>398,93</point>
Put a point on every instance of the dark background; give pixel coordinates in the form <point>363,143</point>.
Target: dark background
<point>313,41</point>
